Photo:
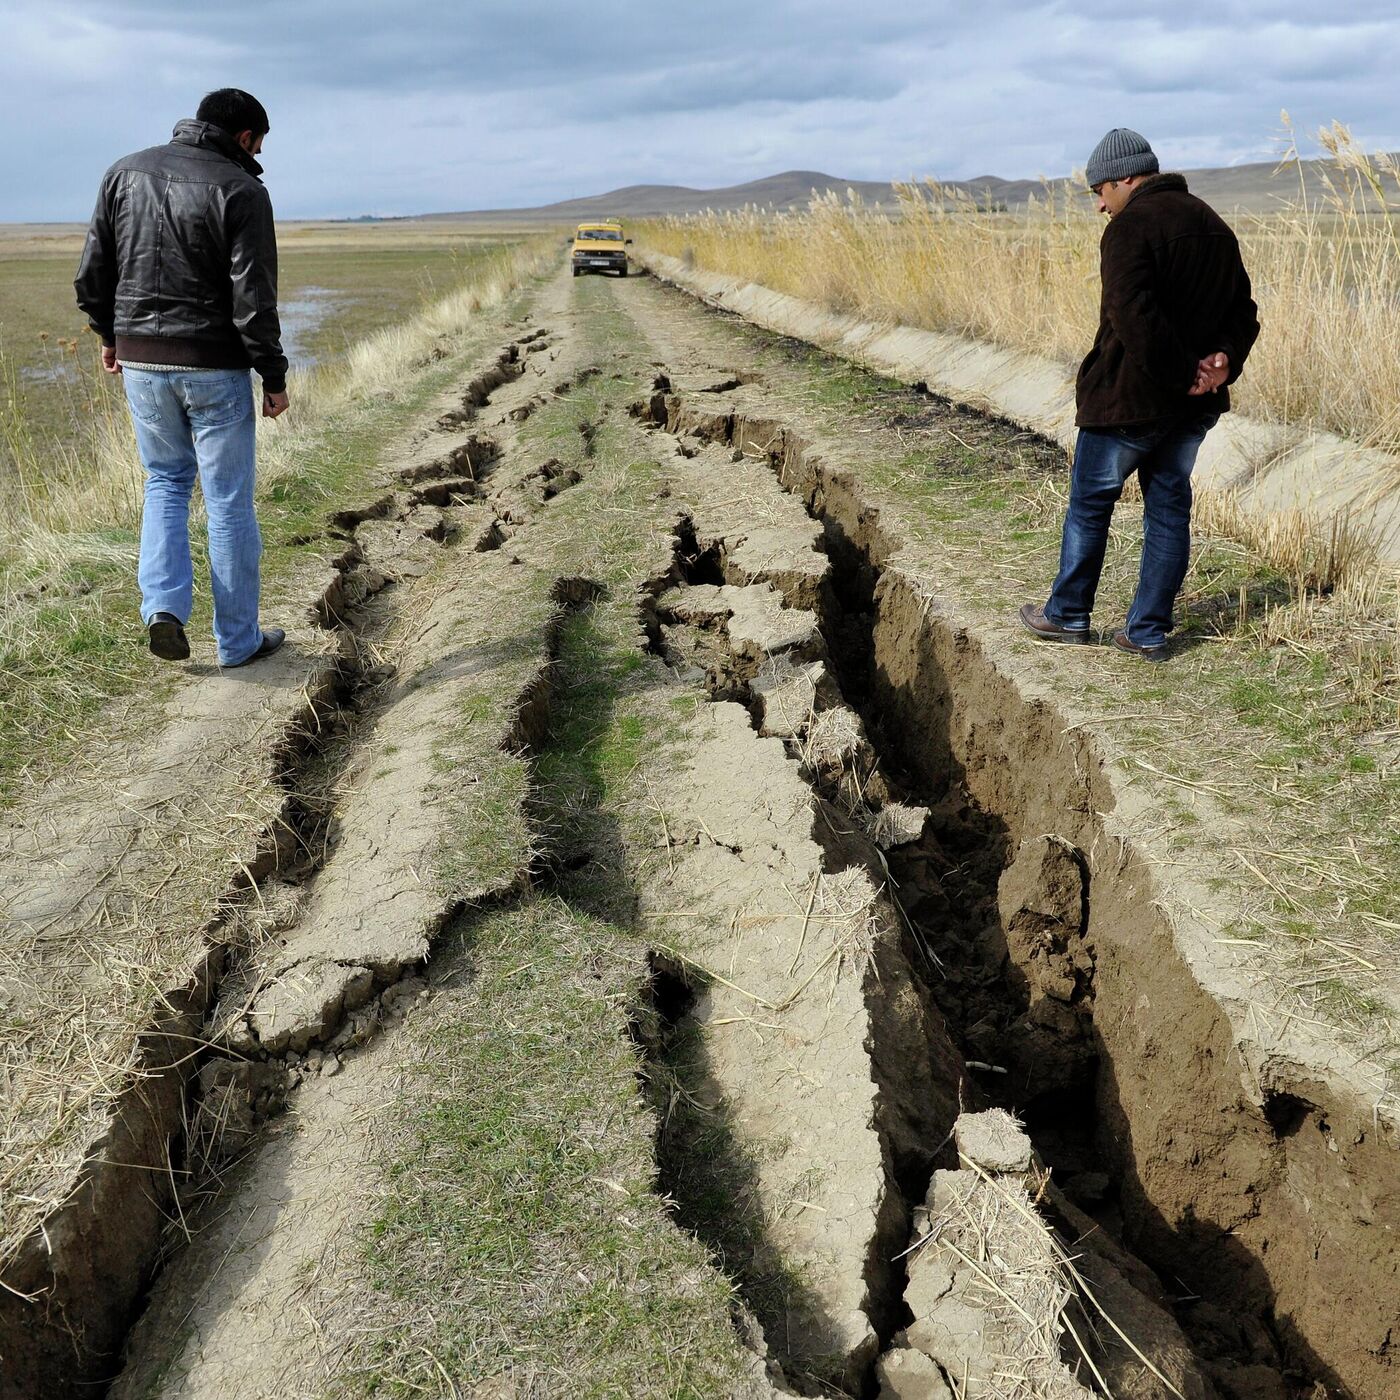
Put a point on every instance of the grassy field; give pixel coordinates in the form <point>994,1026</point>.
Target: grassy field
<point>1325,278</point>
<point>338,284</point>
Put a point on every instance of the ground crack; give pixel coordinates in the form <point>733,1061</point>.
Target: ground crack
<point>1017,981</point>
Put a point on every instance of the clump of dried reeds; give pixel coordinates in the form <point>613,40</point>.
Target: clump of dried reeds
<point>1001,1265</point>
<point>1341,601</point>
<point>1325,271</point>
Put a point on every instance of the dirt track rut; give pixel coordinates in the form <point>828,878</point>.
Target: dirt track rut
<point>881,896</point>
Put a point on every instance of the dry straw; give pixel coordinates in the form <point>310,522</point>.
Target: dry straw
<point>1325,266</point>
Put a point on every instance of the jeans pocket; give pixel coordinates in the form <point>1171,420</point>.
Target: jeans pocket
<point>143,396</point>
<point>1141,437</point>
<point>215,401</point>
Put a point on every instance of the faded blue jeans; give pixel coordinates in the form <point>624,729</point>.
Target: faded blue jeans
<point>190,423</point>
<point>1162,454</point>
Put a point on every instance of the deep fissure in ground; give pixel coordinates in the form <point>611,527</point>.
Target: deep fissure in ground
<point>1044,1062</point>
<point>1040,1062</point>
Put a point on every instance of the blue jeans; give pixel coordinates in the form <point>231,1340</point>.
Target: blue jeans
<point>198,422</point>
<point>1163,455</point>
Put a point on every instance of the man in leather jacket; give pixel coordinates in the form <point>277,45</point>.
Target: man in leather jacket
<point>179,278</point>
<point>1177,320</point>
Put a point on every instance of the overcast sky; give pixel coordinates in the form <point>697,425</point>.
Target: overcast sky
<point>427,105</point>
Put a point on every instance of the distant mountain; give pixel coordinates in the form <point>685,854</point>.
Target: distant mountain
<point>1256,188</point>
<point>792,189</point>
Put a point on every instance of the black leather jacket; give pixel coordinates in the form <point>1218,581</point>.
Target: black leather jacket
<point>180,264</point>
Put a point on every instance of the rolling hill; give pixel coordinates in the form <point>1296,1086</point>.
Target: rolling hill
<point>1255,188</point>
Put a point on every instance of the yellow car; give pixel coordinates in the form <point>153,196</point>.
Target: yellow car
<point>599,247</point>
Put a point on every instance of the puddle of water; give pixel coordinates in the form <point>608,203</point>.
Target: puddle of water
<point>48,374</point>
<point>302,317</point>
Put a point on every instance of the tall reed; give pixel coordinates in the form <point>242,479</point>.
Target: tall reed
<point>1326,273</point>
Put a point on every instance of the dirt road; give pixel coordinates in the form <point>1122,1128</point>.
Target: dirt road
<point>668,874</point>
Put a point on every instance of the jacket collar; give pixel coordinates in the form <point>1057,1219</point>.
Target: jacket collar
<point>1156,184</point>
<point>213,138</point>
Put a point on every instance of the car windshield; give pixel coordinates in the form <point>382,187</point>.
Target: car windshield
<point>609,235</point>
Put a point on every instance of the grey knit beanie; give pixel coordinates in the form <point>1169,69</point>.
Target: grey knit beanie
<point>1121,153</point>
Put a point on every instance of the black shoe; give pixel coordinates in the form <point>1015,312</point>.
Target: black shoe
<point>1033,619</point>
<point>1157,653</point>
<point>168,640</point>
<point>272,638</point>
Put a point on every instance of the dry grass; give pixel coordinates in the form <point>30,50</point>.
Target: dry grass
<point>1342,605</point>
<point>1325,278</point>
<point>1338,603</point>
<point>69,497</point>
<point>994,1255</point>
<point>1012,1266</point>
<point>86,967</point>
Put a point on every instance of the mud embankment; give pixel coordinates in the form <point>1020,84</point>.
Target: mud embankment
<point>1263,1195</point>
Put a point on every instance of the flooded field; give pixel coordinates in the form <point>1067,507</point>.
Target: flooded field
<point>339,283</point>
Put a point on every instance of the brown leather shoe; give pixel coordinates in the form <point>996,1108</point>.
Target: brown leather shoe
<point>1157,653</point>
<point>1035,622</point>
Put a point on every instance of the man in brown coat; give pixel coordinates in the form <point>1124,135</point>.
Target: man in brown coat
<point>1176,323</point>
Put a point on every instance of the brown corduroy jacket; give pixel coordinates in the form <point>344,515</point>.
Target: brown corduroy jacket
<point>1175,289</point>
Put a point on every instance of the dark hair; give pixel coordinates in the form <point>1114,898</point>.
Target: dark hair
<point>235,111</point>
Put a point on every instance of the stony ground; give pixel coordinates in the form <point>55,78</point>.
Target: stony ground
<point>598,956</point>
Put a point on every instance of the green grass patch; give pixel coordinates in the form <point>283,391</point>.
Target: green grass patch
<point>524,1190</point>
<point>483,789</point>
<point>524,1184</point>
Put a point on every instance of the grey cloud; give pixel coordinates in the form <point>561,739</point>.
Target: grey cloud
<point>718,85</point>
<point>497,45</point>
<point>440,104</point>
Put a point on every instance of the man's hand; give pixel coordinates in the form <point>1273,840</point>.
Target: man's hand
<point>274,405</point>
<point>109,359</point>
<point>1211,373</point>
